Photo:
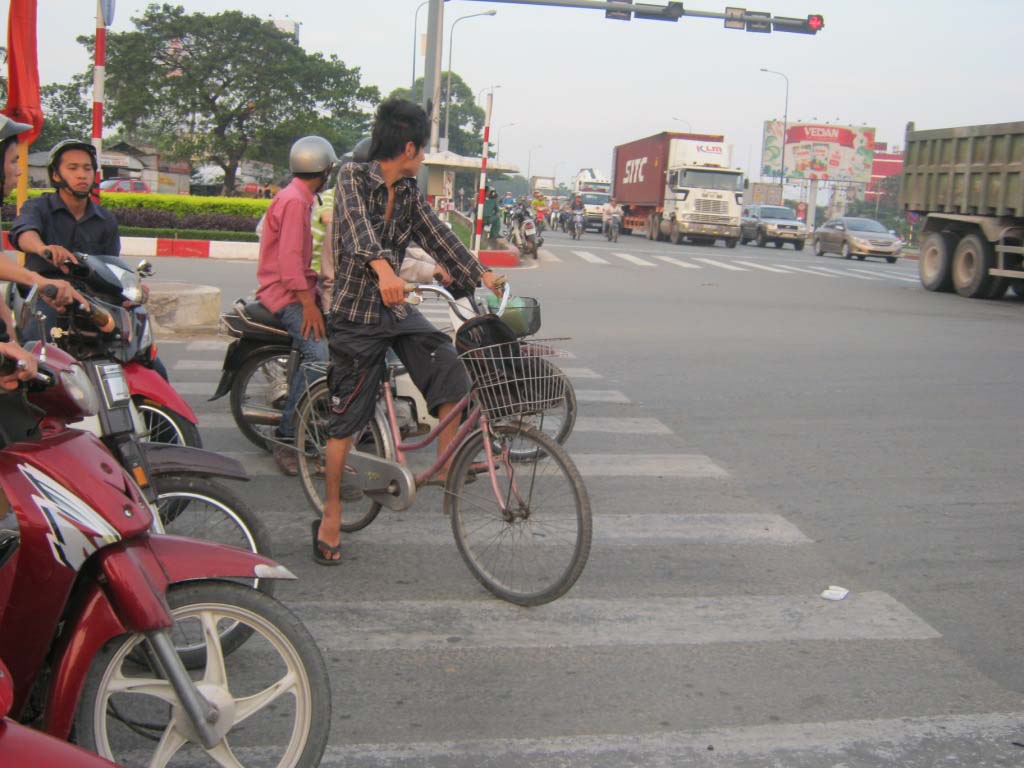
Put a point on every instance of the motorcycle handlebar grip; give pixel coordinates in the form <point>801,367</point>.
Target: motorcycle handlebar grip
<point>103,320</point>
<point>49,291</point>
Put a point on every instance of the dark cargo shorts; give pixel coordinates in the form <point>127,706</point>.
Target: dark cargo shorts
<point>358,367</point>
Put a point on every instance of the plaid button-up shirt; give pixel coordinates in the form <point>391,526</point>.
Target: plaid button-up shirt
<point>362,235</point>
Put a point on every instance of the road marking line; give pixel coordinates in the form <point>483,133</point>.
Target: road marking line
<point>762,266</point>
<point>842,273</point>
<point>600,396</point>
<point>424,625</point>
<point>546,255</point>
<point>677,262</point>
<point>199,365</point>
<point>216,421</point>
<point>688,465</point>
<point>622,426</point>
<point>634,260</point>
<point>588,256</point>
<point>801,269</point>
<point>207,346</point>
<point>628,530</point>
<point>720,264</point>
<point>195,387</point>
<point>887,276</point>
<point>581,373</point>
<point>833,742</point>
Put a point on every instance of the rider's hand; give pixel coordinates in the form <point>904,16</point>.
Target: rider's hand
<point>60,256</point>
<point>442,275</point>
<point>392,288</point>
<point>495,282</point>
<point>313,322</point>
<point>12,350</point>
<point>65,293</point>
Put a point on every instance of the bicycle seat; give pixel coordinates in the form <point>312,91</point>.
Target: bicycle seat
<point>394,363</point>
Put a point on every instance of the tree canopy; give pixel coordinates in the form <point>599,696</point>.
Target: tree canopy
<point>466,124</point>
<point>222,88</point>
<point>67,111</point>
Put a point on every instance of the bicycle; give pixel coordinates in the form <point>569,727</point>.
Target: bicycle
<point>525,535</point>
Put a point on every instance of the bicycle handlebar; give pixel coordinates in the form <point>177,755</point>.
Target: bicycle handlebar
<point>453,302</point>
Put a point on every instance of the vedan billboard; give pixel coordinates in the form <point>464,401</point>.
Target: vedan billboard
<point>825,152</point>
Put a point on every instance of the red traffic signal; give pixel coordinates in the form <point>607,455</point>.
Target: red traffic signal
<point>808,26</point>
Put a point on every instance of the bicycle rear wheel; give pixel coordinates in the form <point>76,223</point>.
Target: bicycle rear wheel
<point>534,551</point>
<point>312,415</point>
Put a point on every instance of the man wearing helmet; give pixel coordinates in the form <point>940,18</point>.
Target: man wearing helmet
<point>287,280</point>
<point>378,210</point>
<point>67,220</point>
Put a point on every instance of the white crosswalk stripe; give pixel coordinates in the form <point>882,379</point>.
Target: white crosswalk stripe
<point>621,425</point>
<point>590,257</point>
<point>600,396</point>
<point>634,260</point>
<point>765,267</point>
<point>546,255</point>
<point>581,373</point>
<point>801,269</point>
<point>208,345</point>
<point>841,273</point>
<point>886,275</point>
<point>199,365</point>
<point>677,262</point>
<point>719,264</point>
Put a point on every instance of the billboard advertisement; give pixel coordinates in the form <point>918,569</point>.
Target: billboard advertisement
<point>824,152</point>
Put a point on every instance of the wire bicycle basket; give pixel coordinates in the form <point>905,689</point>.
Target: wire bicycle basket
<point>508,383</point>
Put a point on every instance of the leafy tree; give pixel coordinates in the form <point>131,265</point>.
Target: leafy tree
<point>466,123</point>
<point>3,74</point>
<point>68,111</point>
<point>225,87</point>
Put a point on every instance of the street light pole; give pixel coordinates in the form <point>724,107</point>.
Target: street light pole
<point>415,42</point>
<point>448,88</point>
<point>785,126</point>
<point>497,148</point>
<point>688,126</point>
<point>529,160</point>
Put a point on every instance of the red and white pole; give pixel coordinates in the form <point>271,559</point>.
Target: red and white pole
<point>478,238</point>
<point>98,78</point>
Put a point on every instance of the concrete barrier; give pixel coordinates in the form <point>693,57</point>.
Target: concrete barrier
<point>183,306</point>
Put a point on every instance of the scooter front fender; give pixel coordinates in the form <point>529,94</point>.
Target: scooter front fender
<point>168,459</point>
<point>21,745</point>
<point>147,383</point>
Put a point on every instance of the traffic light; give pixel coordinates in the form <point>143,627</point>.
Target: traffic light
<point>809,26</point>
<point>670,12</point>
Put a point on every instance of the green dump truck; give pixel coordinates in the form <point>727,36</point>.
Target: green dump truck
<point>968,183</point>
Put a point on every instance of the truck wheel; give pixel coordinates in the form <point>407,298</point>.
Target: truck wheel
<point>799,245</point>
<point>999,287</point>
<point>761,242</point>
<point>971,263</point>
<point>674,235</point>
<point>730,242</point>
<point>935,264</point>
<point>778,243</point>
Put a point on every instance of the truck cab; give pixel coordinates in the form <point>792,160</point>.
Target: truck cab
<point>703,204</point>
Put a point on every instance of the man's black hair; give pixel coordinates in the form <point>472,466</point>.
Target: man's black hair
<point>396,123</point>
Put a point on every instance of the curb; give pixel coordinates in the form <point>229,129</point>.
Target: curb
<point>195,249</point>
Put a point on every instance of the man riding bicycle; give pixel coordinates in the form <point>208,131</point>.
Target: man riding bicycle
<point>378,210</point>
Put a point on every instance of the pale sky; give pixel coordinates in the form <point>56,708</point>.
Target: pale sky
<point>577,84</point>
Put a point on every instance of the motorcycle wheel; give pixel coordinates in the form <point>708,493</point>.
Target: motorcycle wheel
<point>279,685</point>
<point>312,415</point>
<point>261,381</point>
<point>166,426</point>
<point>531,245</point>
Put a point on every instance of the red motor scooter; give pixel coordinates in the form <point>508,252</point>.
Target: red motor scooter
<point>105,621</point>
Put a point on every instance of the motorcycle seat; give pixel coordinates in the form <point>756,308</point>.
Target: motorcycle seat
<point>257,315</point>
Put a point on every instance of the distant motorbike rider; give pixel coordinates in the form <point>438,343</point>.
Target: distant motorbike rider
<point>608,210</point>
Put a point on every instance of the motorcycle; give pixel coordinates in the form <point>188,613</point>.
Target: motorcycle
<point>577,224</point>
<point>167,417</point>
<point>105,621</point>
<point>612,228</point>
<point>523,231</point>
<point>183,491</point>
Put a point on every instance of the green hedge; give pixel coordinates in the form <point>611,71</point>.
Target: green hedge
<point>179,204</point>
<point>190,234</point>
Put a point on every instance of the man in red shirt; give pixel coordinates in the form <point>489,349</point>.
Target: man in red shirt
<point>287,281</point>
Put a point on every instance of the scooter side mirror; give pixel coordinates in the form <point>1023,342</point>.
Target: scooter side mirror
<point>145,269</point>
<point>6,691</point>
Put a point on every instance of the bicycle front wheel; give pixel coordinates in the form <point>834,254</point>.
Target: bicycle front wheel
<point>532,551</point>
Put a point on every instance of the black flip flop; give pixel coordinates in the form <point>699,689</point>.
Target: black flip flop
<point>320,546</point>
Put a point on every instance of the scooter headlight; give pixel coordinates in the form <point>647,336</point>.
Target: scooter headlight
<point>75,382</point>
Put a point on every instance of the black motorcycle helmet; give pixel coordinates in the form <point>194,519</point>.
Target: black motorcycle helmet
<point>53,164</point>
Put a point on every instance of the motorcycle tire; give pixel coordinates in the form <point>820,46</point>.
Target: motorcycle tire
<point>117,723</point>
<point>261,363</point>
<point>166,426</point>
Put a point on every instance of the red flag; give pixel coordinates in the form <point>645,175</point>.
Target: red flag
<point>23,102</point>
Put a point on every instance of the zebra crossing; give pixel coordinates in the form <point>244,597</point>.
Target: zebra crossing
<point>694,592</point>
<point>728,264</point>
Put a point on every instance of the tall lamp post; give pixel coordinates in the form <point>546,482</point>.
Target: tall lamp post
<point>785,126</point>
<point>415,35</point>
<point>497,148</point>
<point>529,160</point>
<point>687,122</point>
<point>448,87</point>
